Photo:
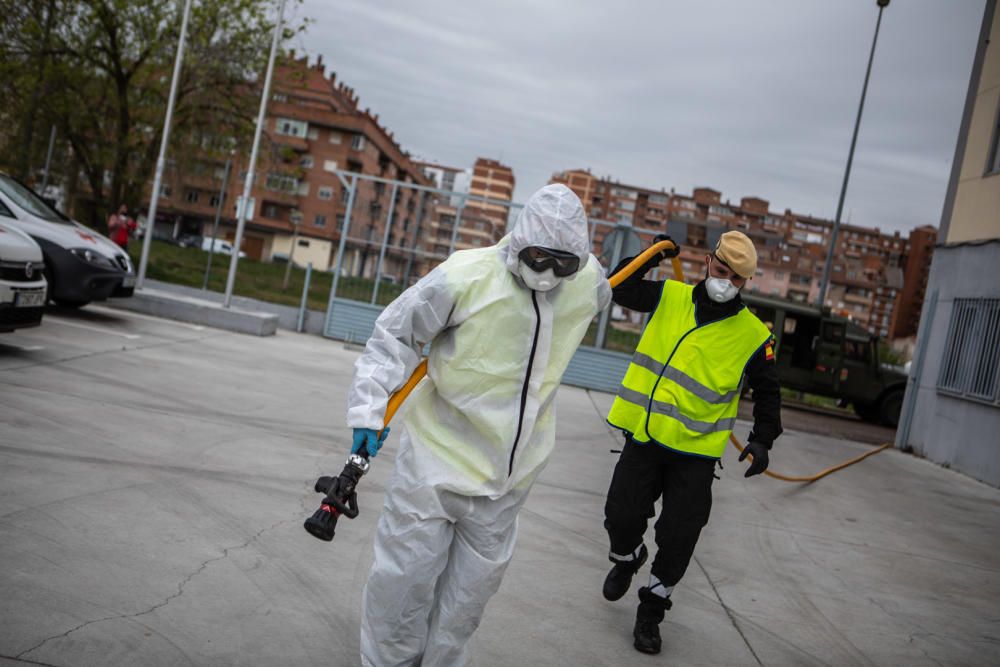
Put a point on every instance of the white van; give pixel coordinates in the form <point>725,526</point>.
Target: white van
<point>80,265</point>
<point>219,246</point>
<point>22,283</point>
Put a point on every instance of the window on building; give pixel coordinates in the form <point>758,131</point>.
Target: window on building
<point>214,201</point>
<point>306,162</point>
<point>319,221</point>
<point>165,190</point>
<point>191,196</point>
<point>358,142</point>
<point>994,163</point>
<point>281,182</point>
<point>334,137</point>
<point>345,194</point>
<point>270,211</point>
<point>313,133</point>
<point>329,165</point>
<point>291,127</point>
<point>325,192</point>
<point>971,364</point>
<point>779,275</point>
<point>280,97</point>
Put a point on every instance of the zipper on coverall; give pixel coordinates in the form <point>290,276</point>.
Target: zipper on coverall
<point>527,378</point>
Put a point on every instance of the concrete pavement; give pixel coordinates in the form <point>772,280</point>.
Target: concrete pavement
<point>154,476</point>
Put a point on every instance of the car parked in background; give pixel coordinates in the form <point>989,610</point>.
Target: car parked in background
<point>80,265</point>
<point>22,281</point>
<point>219,246</point>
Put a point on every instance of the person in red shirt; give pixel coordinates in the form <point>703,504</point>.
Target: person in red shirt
<point>120,226</point>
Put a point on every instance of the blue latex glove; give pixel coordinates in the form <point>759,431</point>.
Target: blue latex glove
<point>368,438</point>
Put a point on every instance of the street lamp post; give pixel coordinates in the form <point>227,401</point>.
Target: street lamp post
<point>243,210</point>
<point>164,141</point>
<point>218,213</point>
<point>882,4</point>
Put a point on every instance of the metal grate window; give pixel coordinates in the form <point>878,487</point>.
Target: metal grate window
<point>971,364</point>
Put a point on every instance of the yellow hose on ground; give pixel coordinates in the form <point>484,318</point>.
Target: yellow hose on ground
<point>421,370</point>
<point>819,475</point>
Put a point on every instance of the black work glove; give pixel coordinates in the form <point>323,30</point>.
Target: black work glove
<point>667,254</point>
<point>759,453</point>
<point>655,260</point>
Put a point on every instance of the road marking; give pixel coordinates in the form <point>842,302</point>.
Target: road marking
<point>158,320</point>
<point>77,325</point>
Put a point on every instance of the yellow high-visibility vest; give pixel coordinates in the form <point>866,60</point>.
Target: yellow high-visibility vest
<point>682,388</point>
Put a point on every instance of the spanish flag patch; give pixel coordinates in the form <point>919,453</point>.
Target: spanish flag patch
<point>769,350</point>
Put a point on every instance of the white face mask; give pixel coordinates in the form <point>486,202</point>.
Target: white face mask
<point>720,290</point>
<point>541,282</point>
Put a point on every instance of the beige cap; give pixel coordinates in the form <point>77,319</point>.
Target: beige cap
<point>736,249</point>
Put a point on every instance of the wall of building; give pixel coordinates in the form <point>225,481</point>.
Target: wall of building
<point>955,432</point>
<point>317,251</point>
<point>977,199</point>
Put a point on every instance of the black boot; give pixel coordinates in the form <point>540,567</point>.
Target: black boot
<point>647,621</point>
<point>620,577</point>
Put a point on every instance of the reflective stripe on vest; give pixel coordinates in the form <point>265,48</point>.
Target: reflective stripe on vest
<point>682,386</point>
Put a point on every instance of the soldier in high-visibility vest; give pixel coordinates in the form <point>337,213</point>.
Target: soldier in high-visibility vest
<point>677,407</point>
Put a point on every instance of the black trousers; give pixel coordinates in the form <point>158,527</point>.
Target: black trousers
<point>644,473</point>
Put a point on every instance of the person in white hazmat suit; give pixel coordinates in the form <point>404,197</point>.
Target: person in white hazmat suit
<point>502,323</point>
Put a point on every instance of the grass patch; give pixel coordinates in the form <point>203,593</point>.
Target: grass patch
<point>262,280</point>
<point>811,399</point>
<point>256,280</point>
<point>619,340</point>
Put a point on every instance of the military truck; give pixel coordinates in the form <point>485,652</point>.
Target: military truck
<point>821,353</point>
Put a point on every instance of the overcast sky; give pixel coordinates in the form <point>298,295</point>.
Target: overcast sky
<point>750,98</point>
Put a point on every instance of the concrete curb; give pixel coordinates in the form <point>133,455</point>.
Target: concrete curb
<point>187,308</point>
<point>288,316</point>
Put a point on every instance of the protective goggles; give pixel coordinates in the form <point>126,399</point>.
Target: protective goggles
<point>541,259</point>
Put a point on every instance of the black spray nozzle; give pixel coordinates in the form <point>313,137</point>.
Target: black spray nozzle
<point>341,498</point>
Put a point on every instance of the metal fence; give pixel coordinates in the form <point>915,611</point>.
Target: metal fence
<point>395,232</point>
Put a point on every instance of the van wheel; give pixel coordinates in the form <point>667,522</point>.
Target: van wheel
<point>890,407</point>
<point>67,303</point>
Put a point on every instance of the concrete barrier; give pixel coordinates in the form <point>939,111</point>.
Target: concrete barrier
<point>186,308</point>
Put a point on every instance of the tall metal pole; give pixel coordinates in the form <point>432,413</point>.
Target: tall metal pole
<point>291,255</point>
<point>48,159</point>
<point>162,159</point>
<point>218,214</point>
<point>385,242</point>
<point>241,214</point>
<point>345,228</point>
<point>456,224</point>
<point>850,158</point>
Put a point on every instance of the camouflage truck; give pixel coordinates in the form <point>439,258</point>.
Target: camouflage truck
<point>820,353</point>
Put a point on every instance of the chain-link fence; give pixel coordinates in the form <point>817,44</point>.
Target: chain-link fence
<point>394,232</point>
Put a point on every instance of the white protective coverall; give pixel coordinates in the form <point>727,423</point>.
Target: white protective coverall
<point>476,431</point>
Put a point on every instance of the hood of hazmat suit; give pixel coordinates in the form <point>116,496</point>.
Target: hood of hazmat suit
<point>482,422</point>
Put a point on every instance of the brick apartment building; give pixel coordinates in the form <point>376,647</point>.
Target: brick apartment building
<point>478,223</point>
<point>877,279</point>
<point>314,127</point>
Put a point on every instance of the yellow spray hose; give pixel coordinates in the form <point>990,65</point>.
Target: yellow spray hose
<point>421,370</point>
